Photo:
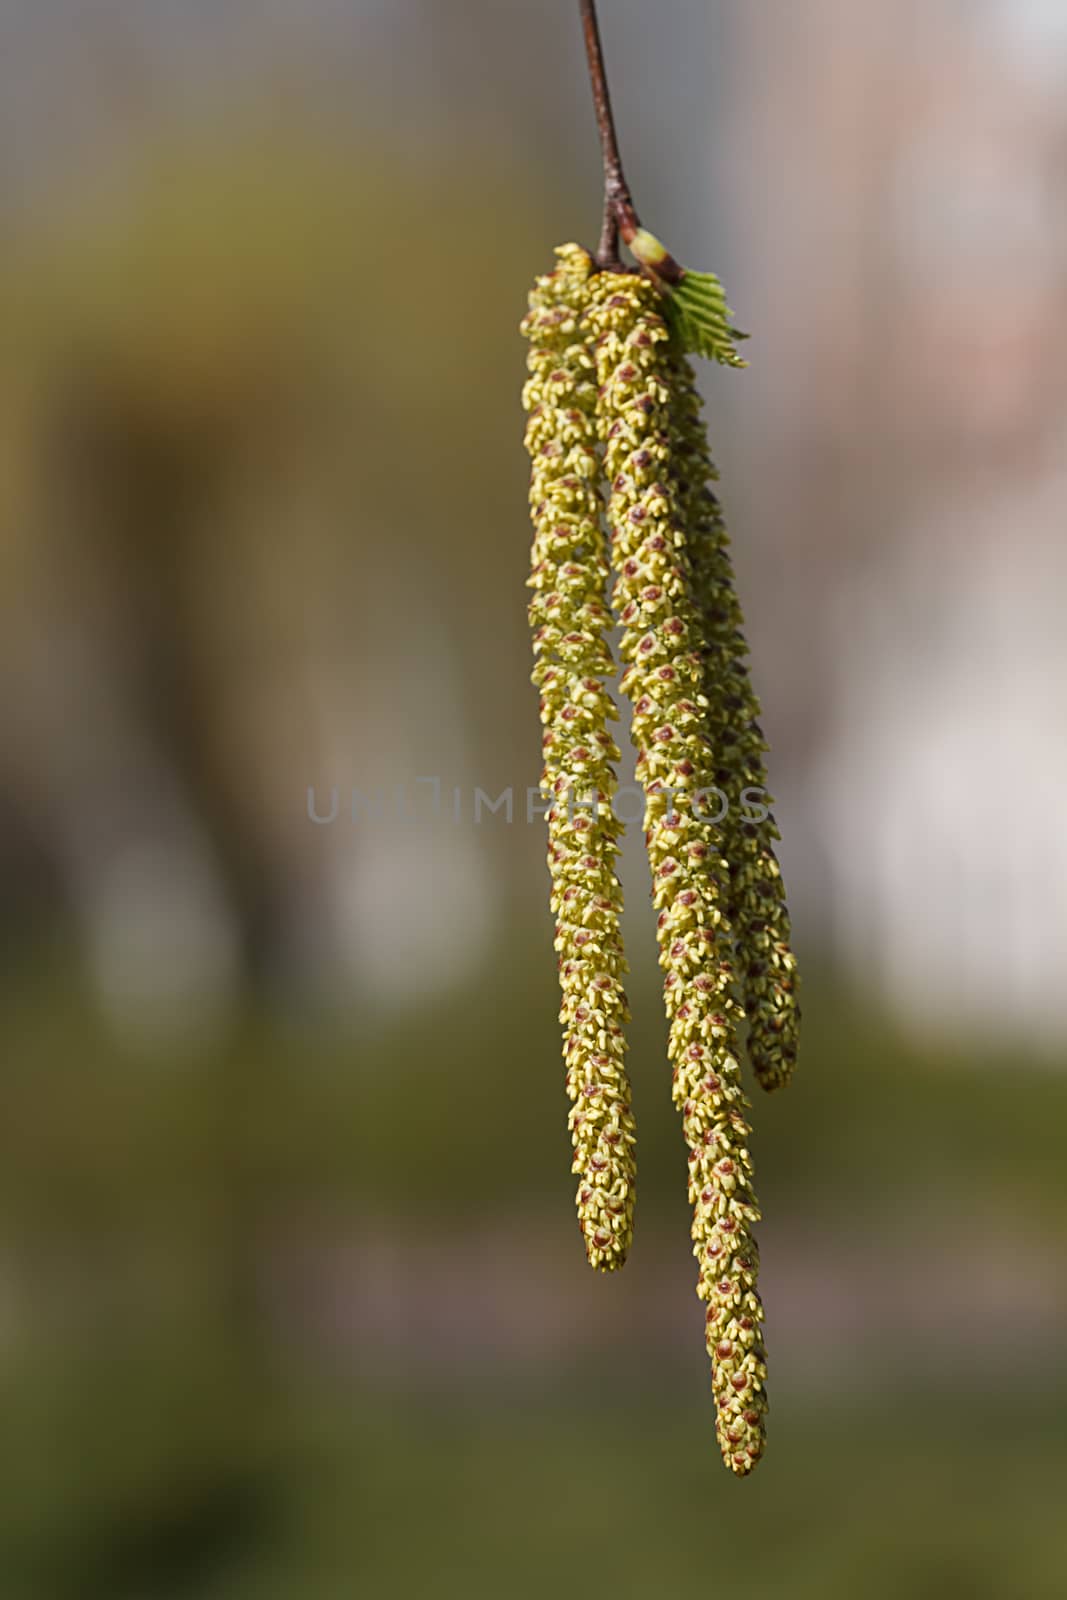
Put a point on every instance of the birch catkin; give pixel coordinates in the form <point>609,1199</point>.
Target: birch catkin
<point>664,679</point>
<point>570,619</point>
<point>757,894</point>
<point>611,399</point>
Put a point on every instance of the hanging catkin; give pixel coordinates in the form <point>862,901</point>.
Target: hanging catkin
<point>571,621</point>
<point>664,679</point>
<point>767,966</point>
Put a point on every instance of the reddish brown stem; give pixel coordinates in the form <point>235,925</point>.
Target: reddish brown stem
<point>619,213</point>
<point>620,217</point>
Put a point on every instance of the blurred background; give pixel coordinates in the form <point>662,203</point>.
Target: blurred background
<point>292,1299</point>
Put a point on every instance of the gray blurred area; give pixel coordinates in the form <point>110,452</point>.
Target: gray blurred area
<point>292,1302</point>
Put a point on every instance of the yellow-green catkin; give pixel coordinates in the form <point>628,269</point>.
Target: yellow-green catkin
<point>766,965</point>
<point>571,622</point>
<point>664,678</point>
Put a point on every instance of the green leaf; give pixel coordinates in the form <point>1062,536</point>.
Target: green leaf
<point>697,310</point>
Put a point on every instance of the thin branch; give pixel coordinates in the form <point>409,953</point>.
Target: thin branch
<point>619,210</point>
<point>620,217</point>
<point>607,254</point>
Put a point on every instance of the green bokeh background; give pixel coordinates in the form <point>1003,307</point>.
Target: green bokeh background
<point>294,1304</point>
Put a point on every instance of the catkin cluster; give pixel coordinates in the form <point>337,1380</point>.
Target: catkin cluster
<point>570,622</point>
<point>664,680</point>
<point>757,893</point>
<point>612,399</point>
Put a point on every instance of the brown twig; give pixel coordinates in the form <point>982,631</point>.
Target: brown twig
<point>619,213</point>
<point>620,217</point>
